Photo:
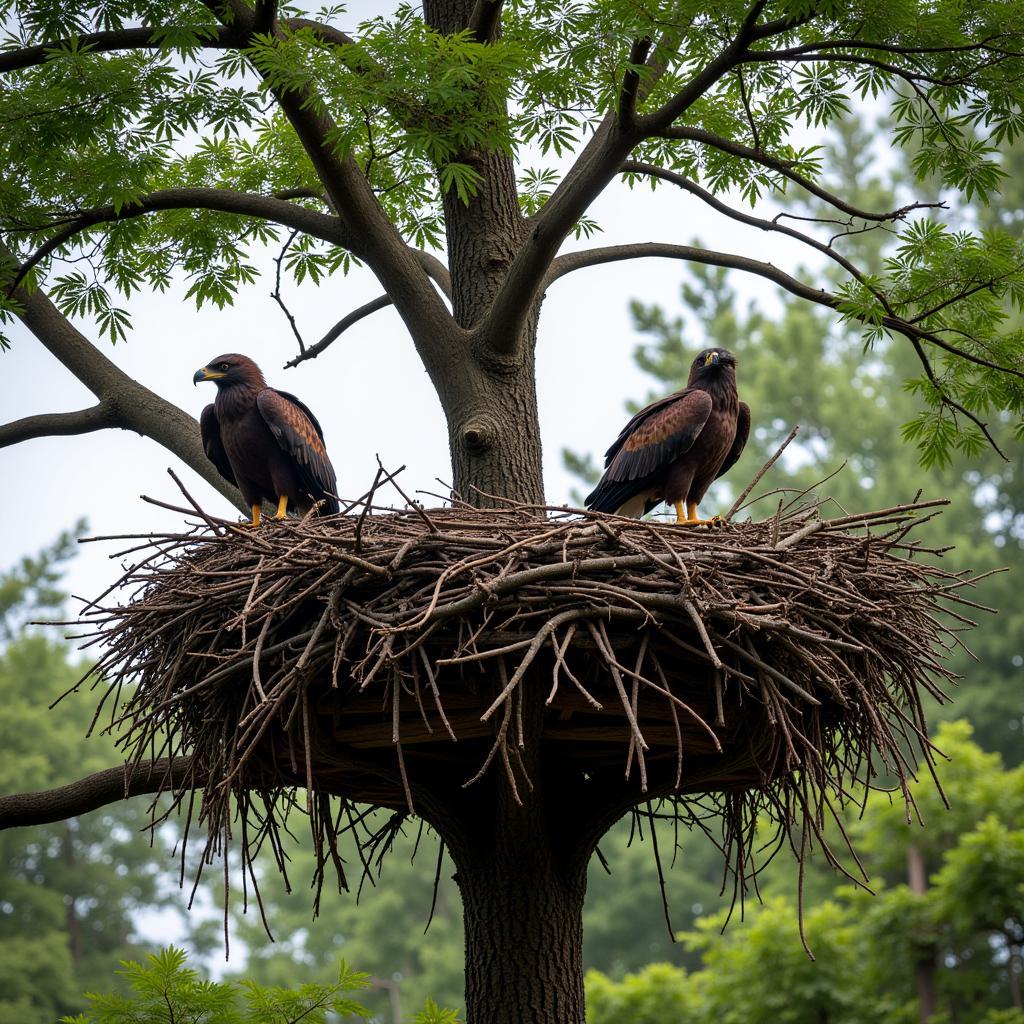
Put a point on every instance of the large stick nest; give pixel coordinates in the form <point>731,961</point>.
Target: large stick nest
<point>374,656</point>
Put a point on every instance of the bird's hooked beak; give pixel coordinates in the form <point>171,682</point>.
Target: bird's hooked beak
<point>711,359</point>
<point>205,374</point>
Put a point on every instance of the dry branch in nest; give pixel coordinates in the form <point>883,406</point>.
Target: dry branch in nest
<point>392,659</point>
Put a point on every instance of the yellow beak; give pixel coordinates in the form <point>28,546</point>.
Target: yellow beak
<point>205,374</point>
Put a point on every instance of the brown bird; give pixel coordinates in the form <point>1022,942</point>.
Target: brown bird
<point>673,449</point>
<point>266,442</point>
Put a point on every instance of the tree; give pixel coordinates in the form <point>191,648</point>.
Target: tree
<point>185,131</point>
<point>164,989</point>
<point>866,945</point>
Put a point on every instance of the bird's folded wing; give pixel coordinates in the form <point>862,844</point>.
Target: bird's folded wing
<point>657,435</point>
<point>298,433</point>
<point>740,442</point>
<point>209,428</point>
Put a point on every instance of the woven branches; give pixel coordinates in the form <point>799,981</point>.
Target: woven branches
<point>392,658</point>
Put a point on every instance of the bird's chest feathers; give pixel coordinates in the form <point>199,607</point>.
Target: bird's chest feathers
<point>243,429</point>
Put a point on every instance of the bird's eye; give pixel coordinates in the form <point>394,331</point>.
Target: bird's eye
<point>225,367</point>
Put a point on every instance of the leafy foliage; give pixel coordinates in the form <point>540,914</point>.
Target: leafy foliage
<point>865,945</point>
<point>165,989</point>
<point>70,891</point>
<point>96,131</point>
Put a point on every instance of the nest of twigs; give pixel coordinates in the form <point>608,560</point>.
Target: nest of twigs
<point>360,655</point>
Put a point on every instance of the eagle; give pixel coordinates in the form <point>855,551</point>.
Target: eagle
<point>266,442</point>
<point>674,448</point>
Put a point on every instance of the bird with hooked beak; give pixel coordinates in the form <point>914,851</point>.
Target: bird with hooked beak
<point>673,449</point>
<point>265,442</point>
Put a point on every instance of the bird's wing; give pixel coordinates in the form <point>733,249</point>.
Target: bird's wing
<point>209,429</point>
<point>649,442</point>
<point>299,434</point>
<point>740,441</point>
<point>657,435</point>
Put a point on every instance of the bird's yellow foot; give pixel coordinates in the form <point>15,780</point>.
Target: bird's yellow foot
<point>282,507</point>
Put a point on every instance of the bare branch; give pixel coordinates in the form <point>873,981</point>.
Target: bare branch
<point>638,167</point>
<point>569,262</point>
<point>84,421</point>
<point>572,261</point>
<point>339,329</point>
<point>94,791</point>
<point>785,168</point>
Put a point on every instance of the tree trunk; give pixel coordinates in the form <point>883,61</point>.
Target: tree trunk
<point>521,868</point>
<point>924,967</point>
<point>494,431</point>
<point>524,937</point>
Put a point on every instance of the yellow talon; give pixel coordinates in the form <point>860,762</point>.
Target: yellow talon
<point>255,516</point>
<point>680,518</point>
<point>282,507</point>
<point>691,512</point>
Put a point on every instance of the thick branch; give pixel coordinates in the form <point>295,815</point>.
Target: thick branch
<point>588,177</point>
<point>84,421</point>
<point>641,250</point>
<point>135,406</point>
<point>94,791</point>
<point>148,38</point>
<point>484,22</point>
<point>373,236</point>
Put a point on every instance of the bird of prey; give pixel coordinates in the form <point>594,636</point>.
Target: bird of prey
<point>264,441</point>
<point>673,449</point>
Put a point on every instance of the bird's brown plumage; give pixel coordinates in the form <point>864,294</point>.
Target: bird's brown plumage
<point>266,442</point>
<point>673,449</point>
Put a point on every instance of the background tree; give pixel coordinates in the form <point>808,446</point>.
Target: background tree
<point>71,891</point>
<point>866,945</point>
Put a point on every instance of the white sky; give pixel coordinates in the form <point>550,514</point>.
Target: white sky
<point>369,390</point>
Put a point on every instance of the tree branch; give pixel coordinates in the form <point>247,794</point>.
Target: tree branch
<point>703,80</point>
<point>374,238</point>
<point>573,261</point>
<point>951,403</point>
<point>244,204</point>
<point>631,81</point>
<point>147,38</point>
<point>94,791</point>
<point>484,21</point>
<point>586,179</point>
<point>641,250</point>
<point>784,168</point>
<point>339,329</point>
<point>638,167</point>
<point>84,421</point>
<point>135,406</point>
